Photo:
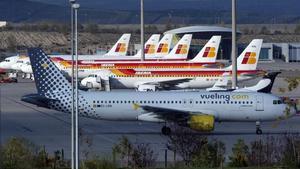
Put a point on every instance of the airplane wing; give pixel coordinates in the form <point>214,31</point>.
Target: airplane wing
<point>168,114</point>
<point>168,83</point>
<point>165,113</point>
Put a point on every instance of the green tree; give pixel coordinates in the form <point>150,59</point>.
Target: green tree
<point>142,156</point>
<point>240,152</point>
<point>124,148</point>
<point>186,143</point>
<point>210,155</point>
<point>293,83</point>
<point>291,153</point>
<point>19,153</point>
<point>98,163</point>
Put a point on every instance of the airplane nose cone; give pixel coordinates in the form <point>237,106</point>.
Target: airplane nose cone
<point>83,82</point>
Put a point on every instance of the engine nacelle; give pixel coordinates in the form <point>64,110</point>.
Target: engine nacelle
<point>202,122</point>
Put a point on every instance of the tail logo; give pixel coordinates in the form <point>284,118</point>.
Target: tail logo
<point>250,58</point>
<point>45,65</point>
<point>150,49</point>
<point>209,52</point>
<point>182,49</point>
<point>121,47</point>
<point>162,48</point>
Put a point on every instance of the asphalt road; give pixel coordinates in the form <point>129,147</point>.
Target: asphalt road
<point>52,129</point>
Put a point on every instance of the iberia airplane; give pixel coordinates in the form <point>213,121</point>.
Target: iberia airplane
<point>151,80</point>
<point>64,62</point>
<point>199,110</point>
<point>207,56</point>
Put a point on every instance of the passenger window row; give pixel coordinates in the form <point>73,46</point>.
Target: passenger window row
<point>170,102</point>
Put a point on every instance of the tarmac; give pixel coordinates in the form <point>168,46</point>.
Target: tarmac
<point>52,129</point>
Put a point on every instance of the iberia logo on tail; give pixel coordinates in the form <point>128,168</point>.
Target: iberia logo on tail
<point>163,48</point>
<point>250,58</point>
<point>210,52</point>
<point>149,49</point>
<point>182,49</point>
<point>121,47</point>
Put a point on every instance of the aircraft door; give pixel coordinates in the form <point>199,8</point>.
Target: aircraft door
<point>259,103</point>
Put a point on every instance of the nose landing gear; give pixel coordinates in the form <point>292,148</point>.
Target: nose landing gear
<point>258,130</point>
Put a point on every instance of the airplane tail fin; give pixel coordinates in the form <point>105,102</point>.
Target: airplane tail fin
<point>150,46</point>
<point>181,49</point>
<point>164,45</point>
<point>121,47</point>
<point>209,52</point>
<point>249,57</point>
<point>48,77</point>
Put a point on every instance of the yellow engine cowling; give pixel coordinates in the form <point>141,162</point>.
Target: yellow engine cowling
<point>202,122</point>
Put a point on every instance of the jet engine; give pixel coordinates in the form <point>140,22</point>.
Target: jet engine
<point>201,122</point>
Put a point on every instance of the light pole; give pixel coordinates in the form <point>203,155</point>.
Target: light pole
<point>142,31</point>
<point>72,82</point>
<point>233,49</point>
<point>76,7</point>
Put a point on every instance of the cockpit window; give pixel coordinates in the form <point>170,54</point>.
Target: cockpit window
<point>277,102</point>
<point>92,76</point>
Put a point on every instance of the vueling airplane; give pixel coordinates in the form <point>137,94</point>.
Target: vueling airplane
<point>207,56</point>
<point>196,110</point>
<point>151,80</point>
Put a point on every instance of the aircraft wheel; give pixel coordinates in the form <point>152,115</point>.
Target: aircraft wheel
<point>258,131</point>
<point>166,130</point>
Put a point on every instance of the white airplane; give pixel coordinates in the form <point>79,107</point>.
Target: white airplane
<point>117,51</point>
<point>151,80</point>
<point>207,56</point>
<point>22,61</point>
<point>8,62</point>
<point>197,110</point>
<point>150,45</point>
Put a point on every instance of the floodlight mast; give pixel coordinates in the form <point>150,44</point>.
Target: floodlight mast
<point>72,83</point>
<point>142,32</point>
<point>233,49</point>
<point>76,8</point>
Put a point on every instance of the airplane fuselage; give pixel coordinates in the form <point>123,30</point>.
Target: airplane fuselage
<point>224,106</point>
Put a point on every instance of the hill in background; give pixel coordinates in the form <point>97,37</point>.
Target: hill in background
<point>157,11</point>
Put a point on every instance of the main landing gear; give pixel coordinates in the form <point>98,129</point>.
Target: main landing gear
<point>166,130</point>
<point>258,130</point>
